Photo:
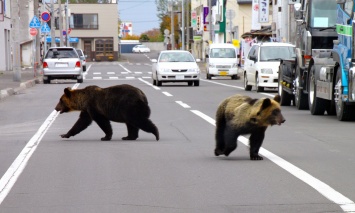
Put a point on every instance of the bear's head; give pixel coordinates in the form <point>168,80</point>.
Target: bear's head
<point>267,112</point>
<point>67,102</point>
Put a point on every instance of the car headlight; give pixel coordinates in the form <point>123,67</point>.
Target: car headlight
<point>266,71</point>
<point>194,70</point>
<point>211,65</point>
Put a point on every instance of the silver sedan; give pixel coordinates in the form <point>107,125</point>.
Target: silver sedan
<point>175,66</point>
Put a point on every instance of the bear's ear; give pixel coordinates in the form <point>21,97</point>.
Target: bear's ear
<point>67,92</point>
<point>277,98</point>
<point>266,103</point>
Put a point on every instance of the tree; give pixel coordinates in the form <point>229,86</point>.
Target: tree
<point>162,8</point>
<point>144,37</point>
<point>130,37</point>
<point>154,35</point>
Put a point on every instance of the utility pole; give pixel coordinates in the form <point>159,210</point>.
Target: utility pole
<point>172,25</point>
<point>16,60</point>
<point>188,25</point>
<point>183,25</point>
<point>210,19</point>
<point>67,24</point>
<point>53,44</point>
<point>60,23</point>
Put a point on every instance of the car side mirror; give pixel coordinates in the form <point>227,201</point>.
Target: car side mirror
<point>253,57</point>
<point>207,56</point>
<point>154,60</point>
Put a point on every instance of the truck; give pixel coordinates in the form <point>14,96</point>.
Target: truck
<point>329,77</point>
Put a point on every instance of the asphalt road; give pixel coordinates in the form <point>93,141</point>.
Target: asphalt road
<point>308,161</point>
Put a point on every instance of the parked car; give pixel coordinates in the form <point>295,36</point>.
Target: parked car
<point>140,49</point>
<point>222,60</point>
<point>83,58</point>
<point>262,64</point>
<point>175,66</point>
<point>62,63</point>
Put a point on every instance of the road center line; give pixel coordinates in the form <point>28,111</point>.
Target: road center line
<point>124,68</point>
<point>183,104</point>
<point>331,194</point>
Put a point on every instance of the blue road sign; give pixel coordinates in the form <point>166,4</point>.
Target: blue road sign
<point>35,23</point>
<point>45,28</point>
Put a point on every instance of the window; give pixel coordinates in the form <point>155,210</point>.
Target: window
<point>84,21</point>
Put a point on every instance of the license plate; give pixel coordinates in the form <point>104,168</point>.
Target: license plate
<point>223,73</point>
<point>179,77</point>
<point>61,65</point>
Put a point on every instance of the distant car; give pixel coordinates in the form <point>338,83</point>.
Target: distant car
<point>140,49</point>
<point>62,63</point>
<point>82,57</point>
<point>262,64</point>
<point>176,66</point>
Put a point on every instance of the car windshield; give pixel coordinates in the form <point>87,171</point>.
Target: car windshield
<point>276,53</point>
<point>223,53</point>
<point>141,46</point>
<point>323,14</point>
<point>61,53</point>
<point>176,57</point>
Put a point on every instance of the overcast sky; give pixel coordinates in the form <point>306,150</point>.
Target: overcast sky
<point>142,14</point>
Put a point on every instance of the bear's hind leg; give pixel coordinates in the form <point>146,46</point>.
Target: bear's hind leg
<point>255,141</point>
<point>132,132</point>
<point>219,140</point>
<point>146,125</point>
<point>230,138</point>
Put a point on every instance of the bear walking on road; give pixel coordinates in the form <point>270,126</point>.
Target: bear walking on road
<point>240,115</point>
<point>121,103</point>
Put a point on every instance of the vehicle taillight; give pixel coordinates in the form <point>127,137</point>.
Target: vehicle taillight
<point>45,65</point>
<point>77,64</point>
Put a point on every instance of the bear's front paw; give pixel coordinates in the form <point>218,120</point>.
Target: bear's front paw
<point>218,152</point>
<point>106,138</point>
<point>256,157</point>
<point>129,138</point>
<point>65,136</point>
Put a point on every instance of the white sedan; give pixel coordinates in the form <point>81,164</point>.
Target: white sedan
<point>140,49</point>
<point>176,66</point>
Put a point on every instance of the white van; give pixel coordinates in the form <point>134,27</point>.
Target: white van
<point>222,61</point>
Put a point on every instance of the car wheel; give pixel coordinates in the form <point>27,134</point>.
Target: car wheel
<point>79,80</point>
<point>196,83</point>
<point>208,76</point>
<point>154,82</point>
<point>190,83</point>
<point>84,68</point>
<point>246,86</point>
<point>48,81</point>
<point>258,88</point>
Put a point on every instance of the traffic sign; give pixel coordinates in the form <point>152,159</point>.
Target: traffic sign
<point>33,31</point>
<point>35,23</point>
<point>45,28</point>
<point>46,16</point>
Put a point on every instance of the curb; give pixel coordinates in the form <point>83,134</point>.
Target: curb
<point>24,85</point>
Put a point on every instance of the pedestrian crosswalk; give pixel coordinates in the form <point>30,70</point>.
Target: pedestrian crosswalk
<point>117,75</point>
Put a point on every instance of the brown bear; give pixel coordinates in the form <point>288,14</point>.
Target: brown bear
<point>240,115</point>
<point>121,103</point>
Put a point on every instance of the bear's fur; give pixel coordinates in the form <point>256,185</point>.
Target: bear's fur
<point>240,115</point>
<point>121,103</point>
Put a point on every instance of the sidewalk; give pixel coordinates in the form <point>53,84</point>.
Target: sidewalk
<point>10,87</point>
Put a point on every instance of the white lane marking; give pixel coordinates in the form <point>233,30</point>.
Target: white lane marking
<point>331,194</point>
<point>10,177</point>
<point>97,78</point>
<point>125,68</point>
<point>86,72</point>
<point>146,82</point>
<point>138,72</point>
<point>146,77</point>
<point>226,85</point>
<point>183,104</point>
<point>130,77</point>
<point>110,73</point>
<point>167,94</point>
<point>113,78</point>
<point>124,72</point>
<point>97,73</point>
